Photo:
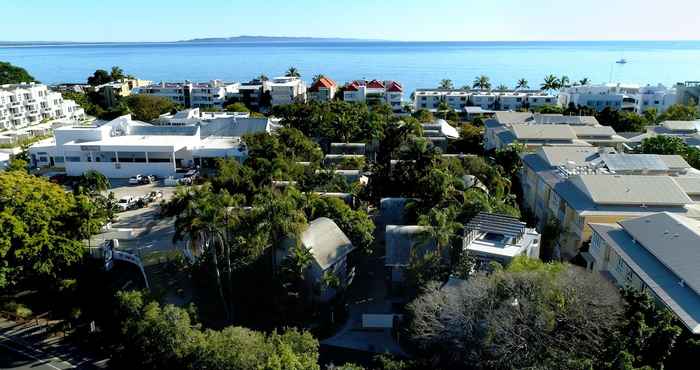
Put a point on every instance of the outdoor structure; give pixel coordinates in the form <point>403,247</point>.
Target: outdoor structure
<point>658,254</point>
<point>402,241</point>
<point>31,103</point>
<point>533,130</point>
<point>633,98</point>
<point>439,132</point>
<point>330,248</point>
<point>491,237</point>
<point>375,92</point>
<point>210,94</point>
<point>287,90</point>
<point>580,185</point>
<point>122,147</point>
<point>323,89</point>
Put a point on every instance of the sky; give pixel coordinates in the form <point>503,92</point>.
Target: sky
<point>406,20</point>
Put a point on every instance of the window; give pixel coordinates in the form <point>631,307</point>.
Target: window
<point>620,267</point>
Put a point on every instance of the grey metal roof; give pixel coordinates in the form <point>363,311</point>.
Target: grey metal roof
<point>162,130</point>
<point>558,119</point>
<point>594,131</point>
<point>631,189</point>
<point>401,240</point>
<point>682,299</point>
<point>508,118</point>
<point>327,242</point>
<point>691,185</point>
<point>234,127</point>
<point>561,155</point>
<point>498,224</point>
<point>634,162</point>
<point>674,161</point>
<point>543,132</point>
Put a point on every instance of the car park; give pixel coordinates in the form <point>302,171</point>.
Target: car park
<point>125,203</point>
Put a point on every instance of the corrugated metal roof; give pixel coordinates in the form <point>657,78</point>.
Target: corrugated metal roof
<point>495,223</point>
<point>561,155</point>
<point>595,131</point>
<point>327,242</point>
<point>508,118</point>
<point>235,127</point>
<point>631,189</point>
<point>691,185</point>
<point>400,240</point>
<point>634,162</point>
<point>543,132</point>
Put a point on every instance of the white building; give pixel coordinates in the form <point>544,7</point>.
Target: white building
<point>459,99</point>
<point>210,94</point>
<point>27,104</point>
<point>492,237</point>
<point>375,92</point>
<point>287,90</point>
<point>633,98</point>
<point>122,147</point>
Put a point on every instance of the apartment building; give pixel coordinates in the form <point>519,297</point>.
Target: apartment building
<point>534,130</point>
<point>689,131</point>
<point>497,238</point>
<point>658,254</point>
<point>688,92</point>
<point>210,94</point>
<point>430,99</point>
<point>122,148</point>
<point>632,98</point>
<point>581,185</point>
<point>112,91</point>
<point>323,89</point>
<point>254,94</point>
<point>28,104</point>
<point>459,99</point>
<point>375,92</point>
<point>287,90</point>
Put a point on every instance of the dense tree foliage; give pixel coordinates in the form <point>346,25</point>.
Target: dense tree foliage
<point>147,108</point>
<point>529,315</point>
<point>10,74</point>
<point>622,121</point>
<point>671,145</point>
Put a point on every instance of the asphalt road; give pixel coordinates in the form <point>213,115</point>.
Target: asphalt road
<point>14,357</point>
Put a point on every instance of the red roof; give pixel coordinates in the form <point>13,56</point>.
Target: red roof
<point>353,86</point>
<point>394,87</point>
<point>322,82</point>
<point>374,84</point>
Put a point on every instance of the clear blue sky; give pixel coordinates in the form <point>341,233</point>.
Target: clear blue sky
<point>420,20</point>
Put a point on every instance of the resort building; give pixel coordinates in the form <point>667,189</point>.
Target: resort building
<point>210,94</point>
<point>122,148</point>
<point>497,238</point>
<point>658,254</point>
<point>254,94</point>
<point>28,104</point>
<point>287,90</point>
<point>580,185</point>
<point>534,130</point>
<point>632,98</point>
<point>323,89</point>
<point>375,92</point>
<point>460,99</point>
<point>688,92</point>
<point>112,91</point>
<point>689,131</point>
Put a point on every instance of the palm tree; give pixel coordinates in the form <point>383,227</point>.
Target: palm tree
<point>564,82</point>
<point>441,228</point>
<point>292,72</point>
<point>585,81</point>
<point>522,84</point>
<point>318,77</point>
<point>551,82</point>
<point>444,108</point>
<point>446,84</point>
<point>502,87</point>
<point>482,82</point>
<point>263,77</point>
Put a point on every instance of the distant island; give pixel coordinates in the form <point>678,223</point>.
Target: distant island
<point>247,38</point>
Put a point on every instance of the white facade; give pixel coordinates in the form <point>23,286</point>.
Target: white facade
<point>375,92</point>
<point>27,104</point>
<point>458,99</point>
<point>211,94</point>
<point>287,90</point>
<point>631,98</point>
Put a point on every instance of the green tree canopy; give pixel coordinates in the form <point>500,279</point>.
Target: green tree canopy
<point>236,107</point>
<point>147,108</point>
<point>10,74</point>
<point>99,77</point>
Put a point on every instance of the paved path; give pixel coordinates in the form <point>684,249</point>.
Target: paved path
<point>14,356</point>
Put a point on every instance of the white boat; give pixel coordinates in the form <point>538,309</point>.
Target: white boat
<point>622,61</point>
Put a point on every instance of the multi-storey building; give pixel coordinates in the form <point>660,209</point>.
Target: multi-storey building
<point>633,98</point>
<point>287,90</point>
<point>254,94</point>
<point>459,99</point>
<point>375,92</point>
<point>112,91</point>
<point>580,185</point>
<point>323,89</point>
<point>27,104</point>
<point>193,95</point>
<point>657,254</point>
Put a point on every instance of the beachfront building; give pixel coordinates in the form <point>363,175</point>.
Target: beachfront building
<point>210,94</point>
<point>632,98</point>
<point>658,254</point>
<point>688,131</point>
<point>122,148</point>
<point>497,238</point>
<point>533,130</point>
<point>254,94</point>
<point>492,100</point>
<point>26,104</point>
<point>375,92</point>
<point>323,89</point>
<point>287,90</point>
<point>580,185</point>
<point>112,91</point>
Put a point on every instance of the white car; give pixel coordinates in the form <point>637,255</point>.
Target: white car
<point>124,203</point>
<point>135,180</point>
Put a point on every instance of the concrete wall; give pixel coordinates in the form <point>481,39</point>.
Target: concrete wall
<point>120,170</point>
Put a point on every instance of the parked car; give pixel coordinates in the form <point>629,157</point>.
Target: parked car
<point>135,180</point>
<point>154,196</point>
<point>125,203</point>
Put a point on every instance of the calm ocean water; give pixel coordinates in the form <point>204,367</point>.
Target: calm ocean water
<point>415,64</point>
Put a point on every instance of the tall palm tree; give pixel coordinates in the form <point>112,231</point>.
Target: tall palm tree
<point>441,228</point>
<point>564,81</point>
<point>551,82</point>
<point>502,87</point>
<point>446,84</point>
<point>292,72</point>
<point>522,84</point>
<point>482,82</point>
<point>585,81</point>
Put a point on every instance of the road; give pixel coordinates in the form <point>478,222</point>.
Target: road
<point>14,357</point>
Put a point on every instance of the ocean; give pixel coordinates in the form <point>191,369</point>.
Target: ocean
<point>414,64</point>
